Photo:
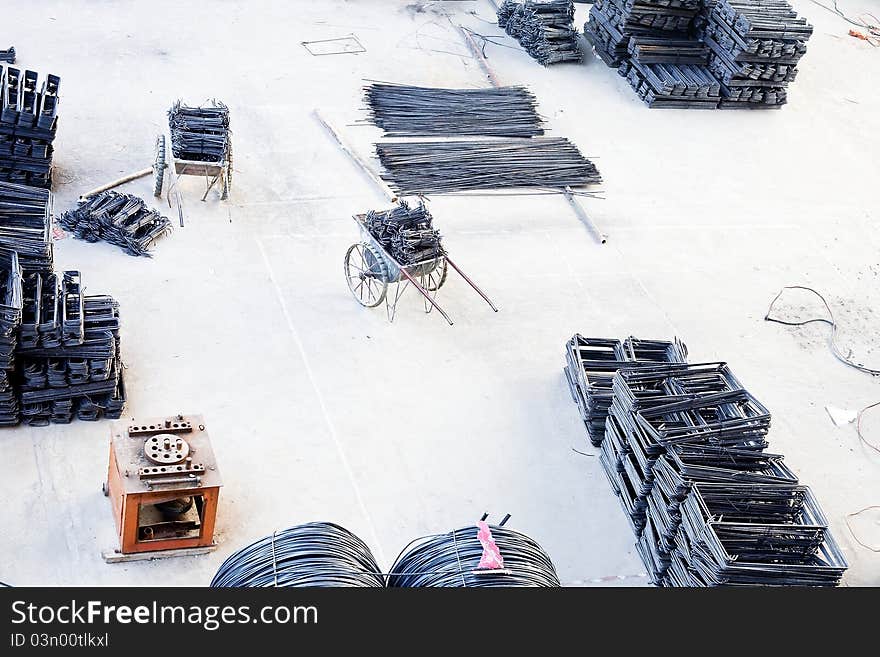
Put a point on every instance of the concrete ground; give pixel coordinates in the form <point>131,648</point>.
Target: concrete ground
<point>322,410</point>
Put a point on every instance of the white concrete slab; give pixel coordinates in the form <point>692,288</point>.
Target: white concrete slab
<point>321,410</point>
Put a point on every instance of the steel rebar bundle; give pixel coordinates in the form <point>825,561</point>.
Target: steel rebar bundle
<point>407,111</point>
<point>28,122</point>
<point>452,560</point>
<point>120,219</point>
<point>316,554</point>
<point>25,225</point>
<point>406,233</point>
<point>543,28</point>
<point>413,167</point>
<point>199,133</point>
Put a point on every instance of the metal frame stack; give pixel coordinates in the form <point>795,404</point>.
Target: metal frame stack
<point>10,321</point>
<point>545,30</point>
<point>28,122</point>
<point>26,225</point>
<point>684,451</point>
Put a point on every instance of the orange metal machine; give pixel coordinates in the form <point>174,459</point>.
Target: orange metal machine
<point>164,485</point>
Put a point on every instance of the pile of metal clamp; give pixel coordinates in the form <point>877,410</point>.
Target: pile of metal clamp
<point>755,47</point>
<point>121,219</point>
<point>199,134</point>
<point>545,30</point>
<point>684,450</point>
<point>28,121</point>
<point>406,233</point>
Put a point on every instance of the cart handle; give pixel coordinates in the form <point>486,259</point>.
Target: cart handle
<point>472,284</point>
<point>425,294</point>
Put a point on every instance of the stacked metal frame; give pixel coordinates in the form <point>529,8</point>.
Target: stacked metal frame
<point>26,224</point>
<point>11,306</point>
<point>199,134</point>
<point>28,122</point>
<point>545,29</point>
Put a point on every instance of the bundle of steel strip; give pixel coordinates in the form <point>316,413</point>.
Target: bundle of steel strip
<point>592,362</point>
<point>413,167</point>
<point>406,111</point>
<point>672,85</point>
<point>406,233</point>
<point>544,29</point>
<point>28,122</point>
<point>120,219</point>
<point>199,134</point>
<point>453,559</point>
<point>26,224</point>
<point>654,50</point>
<point>11,307</point>
<point>8,56</point>
<point>316,554</point>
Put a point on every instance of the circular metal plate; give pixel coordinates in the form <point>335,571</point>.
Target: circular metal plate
<point>165,448</point>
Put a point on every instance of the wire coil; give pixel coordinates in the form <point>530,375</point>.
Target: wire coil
<point>316,554</point>
<point>451,560</point>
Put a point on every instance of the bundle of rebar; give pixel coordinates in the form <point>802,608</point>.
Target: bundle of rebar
<point>406,233</point>
<point>26,224</point>
<point>544,29</point>
<point>199,134</point>
<point>413,167</point>
<point>407,111</point>
<point>755,47</point>
<point>684,451</point>
<point>28,122</point>
<point>120,219</point>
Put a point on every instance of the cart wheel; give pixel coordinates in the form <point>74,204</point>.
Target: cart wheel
<point>227,177</point>
<point>435,280</point>
<point>159,166</point>
<point>366,274</point>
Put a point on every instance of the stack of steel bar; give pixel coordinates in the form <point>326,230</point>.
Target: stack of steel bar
<point>68,358</point>
<point>199,134</point>
<point>654,50</point>
<point>413,167</point>
<point>684,452</point>
<point>11,306</point>
<point>406,111</point>
<point>755,47</point>
<point>121,219</point>
<point>672,85</point>
<point>592,362</point>
<point>26,224</point>
<point>544,29</point>
<point>28,121</point>
<point>406,233</point>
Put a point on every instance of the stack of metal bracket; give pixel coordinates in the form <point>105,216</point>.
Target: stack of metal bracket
<point>406,233</point>
<point>199,134</point>
<point>68,357</point>
<point>545,30</point>
<point>684,451</point>
<point>26,224</point>
<point>10,321</point>
<point>592,362</point>
<point>755,47</point>
<point>121,219</point>
<point>407,111</point>
<point>28,121</point>
<point>426,167</point>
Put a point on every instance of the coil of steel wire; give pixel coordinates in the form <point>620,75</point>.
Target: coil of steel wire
<point>452,559</point>
<point>316,554</point>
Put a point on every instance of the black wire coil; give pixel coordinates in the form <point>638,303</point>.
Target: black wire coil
<point>316,554</point>
<point>451,559</point>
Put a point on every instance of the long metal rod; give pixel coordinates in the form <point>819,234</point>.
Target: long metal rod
<point>584,217</point>
<point>471,283</point>
<point>477,52</point>
<point>425,294</point>
<point>343,144</point>
<point>118,182</point>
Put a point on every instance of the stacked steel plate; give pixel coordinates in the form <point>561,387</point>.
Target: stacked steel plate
<point>545,30</point>
<point>755,47</point>
<point>199,134</point>
<point>25,225</point>
<point>592,362</point>
<point>121,219</point>
<point>68,357</point>
<point>684,451</point>
<point>28,121</point>
<point>406,233</point>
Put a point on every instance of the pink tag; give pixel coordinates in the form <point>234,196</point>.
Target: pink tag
<point>491,554</point>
